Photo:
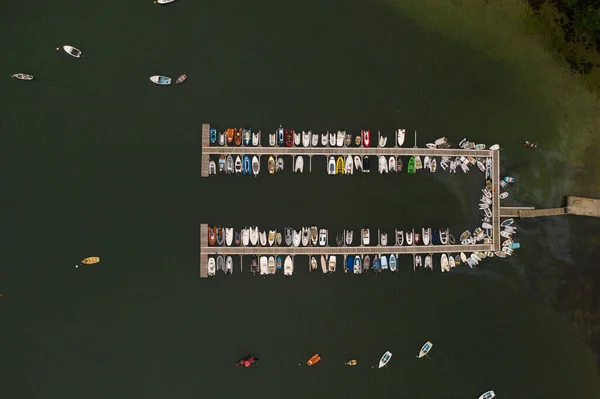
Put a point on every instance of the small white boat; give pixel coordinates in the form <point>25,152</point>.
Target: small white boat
<point>382,141</point>
<point>297,238</point>
<point>288,266</point>
<point>324,139</point>
<point>426,235</point>
<point>341,137</point>
<point>358,163</point>
<point>441,141</point>
<point>385,359</point>
<point>487,395</point>
<point>495,147</point>
<point>486,225</point>
<point>464,167</point>
<point>306,138</point>
<point>349,237</point>
<point>228,236</point>
<point>263,238</point>
<point>212,168</point>
<point>73,52</point>
<point>392,164</point>
<point>425,349</point>
<point>332,262</point>
<point>507,222</point>
<point>264,265</point>
<point>279,164</point>
<point>431,146</point>
<point>393,265</point>
<point>272,237</point>
<point>349,165</point>
<point>255,138</point>
<point>322,237</point>
<point>331,166</point>
<point>299,167</point>
<point>160,80</point>
<point>399,237</point>
<point>444,263</point>
<point>229,265</point>
<point>418,164</point>
<point>451,262</point>
<point>433,165</point>
<point>272,267</point>
<point>463,257</point>
<point>314,139</point>
<point>384,262</point>
<point>297,139</point>
<point>164,1</point>
<point>323,264</point>
<point>255,165</point>
<point>366,238</point>
<point>383,165</point>
<point>238,165</point>
<point>22,76</point>
<point>357,265</point>
<point>332,139</point>
<point>503,195</point>
<point>428,262</point>
<point>481,166</point>
<point>272,139</point>
<point>254,235</point>
<point>400,133</point>
<point>383,239</point>
<point>245,237</point>
<point>305,236</point>
<point>212,269</point>
<point>426,162</point>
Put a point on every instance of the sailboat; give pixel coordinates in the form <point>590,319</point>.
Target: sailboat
<point>425,349</point>
<point>385,359</point>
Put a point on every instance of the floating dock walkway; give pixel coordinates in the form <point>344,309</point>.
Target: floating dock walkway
<point>574,206</point>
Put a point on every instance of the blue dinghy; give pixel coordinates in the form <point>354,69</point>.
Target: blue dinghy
<point>247,165</point>
<point>213,135</point>
<point>350,263</point>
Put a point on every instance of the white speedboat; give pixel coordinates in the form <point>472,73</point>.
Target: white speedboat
<point>73,52</point>
<point>409,237</point>
<point>314,139</point>
<point>433,165</point>
<point>507,222</point>
<point>428,262</point>
<point>264,265</point>
<point>228,236</point>
<point>322,237</point>
<point>426,235</point>
<point>399,237</point>
<point>272,139</point>
<point>431,146</point>
<point>444,263</point>
<point>495,147</point>
<point>358,163</point>
<point>255,138</point>
<point>306,138</point>
<point>357,265</point>
<point>426,162</point>
<point>160,80</point>
<point>349,237</point>
<point>297,238</point>
<point>299,167</point>
<point>486,225</point>
<point>383,165</point>
<point>418,164</point>
<point>487,395</point>
<point>385,359</point>
<point>324,139</point>
<point>238,165</point>
<point>254,235</point>
<point>297,139</point>
<point>341,137</point>
<point>332,262</point>
<point>464,167</point>
<point>441,141</point>
<point>255,165</point>
<point>384,262</point>
<point>331,166</point>
<point>245,237</point>
<point>481,166</point>
<point>451,262</point>
<point>382,141</point>
<point>272,237</point>
<point>22,76</point>
<point>212,269</point>
<point>272,267</point>
<point>164,1</point>
<point>393,265</point>
<point>349,165</point>
<point>425,349</point>
<point>400,133</point>
<point>417,262</point>
<point>288,266</point>
<point>212,168</point>
<point>332,139</point>
<point>503,195</point>
<point>305,236</point>
<point>366,238</point>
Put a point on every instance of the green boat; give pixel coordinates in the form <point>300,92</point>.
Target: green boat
<point>411,166</point>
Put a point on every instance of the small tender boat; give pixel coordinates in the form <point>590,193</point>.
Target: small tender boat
<point>271,165</point>
<point>288,233</point>
<point>73,52</point>
<point>339,166</point>
<point>392,164</point>
<point>272,237</point>
<point>211,267</point>
<point>503,195</point>
<point>349,165</point>
<point>351,362</point>
<point>349,237</point>
<point>306,138</point>
<point>530,144</point>
<point>324,139</point>
<point>297,238</point>
<point>323,264</point>
<point>393,265</point>
<point>314,139</point>
<point>22,76</point>
<point>181,79</point>
<point>366,238</point>
<point>425,349</point>
<point>228,265</point>
<point>399,164</point>
<point>299,167</point>
<point>383,239</point>
<point>255,138</point>
<point>358,164</point>
<point>400,134</point>
<point>160,80</point>
<point>331,166</point>
<point>288,266</point>
<point>255,165</point>
<point>314,359</point>
<point>487,395</point>
<point>384,262</point>
<point>366,137</point>
<point>508,179</point>
<point>411,166</point>
<point>297,138</point>
<point>385,359</point>
<point>418,164</point>
<point>249,360</point>
<point>444,263</point>
<point>247,165</point>
<point>341,138</point>
<point>279,164</point>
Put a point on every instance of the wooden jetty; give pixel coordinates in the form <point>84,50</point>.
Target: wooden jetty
<point>574,206</point>
<point>207,250</point>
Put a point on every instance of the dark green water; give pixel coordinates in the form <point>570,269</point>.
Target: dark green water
<point>98,161</point>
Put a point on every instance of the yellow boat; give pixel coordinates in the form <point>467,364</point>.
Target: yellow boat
<point>351,363</point>
<point>339,166</point>
<point>89,261</point>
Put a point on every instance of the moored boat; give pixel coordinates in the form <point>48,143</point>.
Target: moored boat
<point>288,233</point>
<point>160,80</point>
<point>314,139</point>
<point>271,165</point>
<point>341,138</point>
<point>255,165</point>
<point>425,349</point>
<point>211,266</point>
<point>323,264</point>
<point>366,137</point>
<point>238,165</point>
<point>349,165</point>
<point>331,166</point>
<point>237,136</point>
<point>332,263</point>
<point>314,359</point>
<point>22,76</point>
<point>314,236</point>
<point>393,265</point>
<point>399,164</point>
<point>400,134</point>
<point>383,165</point>
<point>487,395</point>
<point>385,359</point>
<point>366,238</point>
<point>349,237</point>
<point>358,163</point>
<point>249,360</point>
<point>280,136</point>
<point>339,166</point>
<point>288,266</point>
<point>212,168</point>
<point>181,79</point>
<point>411,169</point>
<point>73,52</point>
<point>228,265</point>
<point>392,164</point>
<point>299,167</point>
<point>418,164</point>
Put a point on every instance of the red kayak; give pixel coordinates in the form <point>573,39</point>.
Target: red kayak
<point>366,137</point>
<point>289,138</point>
<point>246,361</point>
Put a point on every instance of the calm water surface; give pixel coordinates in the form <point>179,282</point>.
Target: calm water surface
<point>98,161</point>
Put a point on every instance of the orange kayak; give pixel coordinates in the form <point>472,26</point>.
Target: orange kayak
<point>91,260</point>
<point>314,359</point>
